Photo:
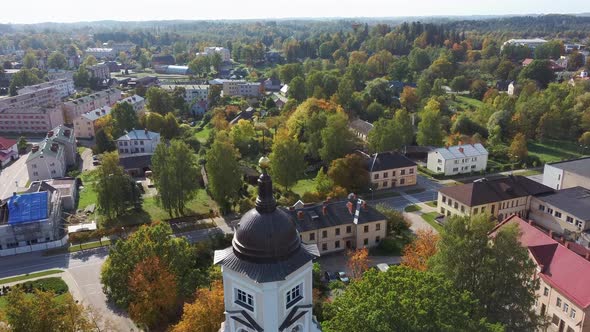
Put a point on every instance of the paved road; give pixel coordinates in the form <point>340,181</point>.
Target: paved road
<point>400,202</point>
<point>16,172</point>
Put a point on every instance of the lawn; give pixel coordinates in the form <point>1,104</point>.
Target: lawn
<point>89,245</point>
<point>429,218</point>
<point>554,150</point>
<point>201,204</point>
<point>29,276</point>
<point>468,103</point>
<point>88,194</point>
<point>304,185</point>
<point>432,204</point>
<point>412,208</point>
<point>57,285</point>
<point>203,134</point>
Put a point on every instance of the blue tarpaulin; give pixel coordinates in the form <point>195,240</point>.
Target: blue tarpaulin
<point>25,208</point>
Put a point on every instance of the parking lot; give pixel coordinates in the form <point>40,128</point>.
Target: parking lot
<point>406,197</point>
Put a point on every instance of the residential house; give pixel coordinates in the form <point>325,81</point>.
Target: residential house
<point>460,159</point>
<point>499,197</point>
<point>74,108</point>
<point>360,128</point>
<point>99,71</point>
<point>122,47</point>
<point>565,212</point>
<point>52,156</point>
<point>567,174</point>
<point>101,52</point>
<point>248,114</point>
<point>173,70</point>
<point>564,292</point>
<point>272,84</point>
<point>137,142</point>
<point>391,169</point>
<point>8,151</point>
<point>194,95</point>
<point>48,96</point>
<point>136,101</point>
<point>85,124</point>
<point>241,88</point>
<point>65,87</point>
<point>279,100</point>
<point>284,90</point>
<point>339,225</point>
<point>67,188</point>
<point>31,222</point>
<point>222,51</point>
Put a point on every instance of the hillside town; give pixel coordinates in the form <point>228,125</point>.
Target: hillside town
<point>298,176</point>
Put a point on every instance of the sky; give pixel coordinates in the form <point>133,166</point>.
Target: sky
<point>142,10</point>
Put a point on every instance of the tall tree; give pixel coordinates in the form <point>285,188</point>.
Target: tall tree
<point>403,299</point>
<point>417,253</point>
<point>57,60</point>
<point>539,71</point>
<point>124,118</point>
<point>170,127</point>
<point>222,171</point>
<point>470,259</point>
<point>30,60</point>
<point>429,128</point>
<point>409,99</point>
<point>243,134</point>
<point>104,143</point>
<point>350,173</point>
<point>358,262</point>
<point>205,314</point>
<point>113,187</point>
<point>287,161</point>
<point>518,148</point>
<point>159,100</point>
<point>151,285</point>
<point>337,139</point>
<point>176,176</point>
<point>154,240</point>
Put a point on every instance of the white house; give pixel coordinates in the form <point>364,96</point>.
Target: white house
<point>458,159</point>
<point>267,272</point>
<point>567,174</point>
<point>137,102</point>
<point>8,151</point>
<point>137,142</point>
<point>50,158</point>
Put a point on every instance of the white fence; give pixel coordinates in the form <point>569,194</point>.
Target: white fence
<point>34,247</point>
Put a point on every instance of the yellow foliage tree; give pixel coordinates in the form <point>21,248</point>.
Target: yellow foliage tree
<point>358,262</point>
<point>205,314</point>
<point>417,253</point>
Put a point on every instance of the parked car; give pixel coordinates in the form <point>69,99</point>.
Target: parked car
<point>343,277</point>
<point>329,276</point>
<point>383,267</point>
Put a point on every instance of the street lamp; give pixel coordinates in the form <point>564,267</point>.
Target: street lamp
<point>371,190</point>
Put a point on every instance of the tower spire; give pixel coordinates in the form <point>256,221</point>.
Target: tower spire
<point>265,202</point>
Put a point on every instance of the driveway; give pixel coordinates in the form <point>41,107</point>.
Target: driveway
<point>12,175</point>
<point>404,199</point>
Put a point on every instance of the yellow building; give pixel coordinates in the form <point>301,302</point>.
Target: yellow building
<point>391,169</point>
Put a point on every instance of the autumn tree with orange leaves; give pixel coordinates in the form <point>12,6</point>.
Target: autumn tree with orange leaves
<point>205,314</point>
<point>358,262</point>
<point>418,252</point>
<point>154,291</point>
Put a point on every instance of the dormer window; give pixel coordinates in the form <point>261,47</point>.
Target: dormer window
<point>294,295</point>
<point>244,299</point>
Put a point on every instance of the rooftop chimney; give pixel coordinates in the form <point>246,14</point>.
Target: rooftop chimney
<point>67,133</point>
<point>54,147</point>
<point>35,148</point>
<point>350,207</point>
<point>461,150</point>
<point>567,244</point>
<point>300,215</point>
<point>50,133</point>
<point>324,210</point>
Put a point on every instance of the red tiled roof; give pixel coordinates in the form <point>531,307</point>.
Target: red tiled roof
<point>563,269</point>
<point>6,143</point>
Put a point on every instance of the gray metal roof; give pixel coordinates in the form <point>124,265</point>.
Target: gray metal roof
<point>574,201</point>
<point>388,160</point>
<point>578,166</point>
<point>462,151</point>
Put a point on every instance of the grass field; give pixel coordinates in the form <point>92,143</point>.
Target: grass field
<point>201,204</point>
<point>29,276</point>
<point>553,150</point>
<point>412,208</point>
<point>203,134</point>
<point>432,204</point>
<point>429,218</point>
<point>468,103</point>
<point>88,194</point>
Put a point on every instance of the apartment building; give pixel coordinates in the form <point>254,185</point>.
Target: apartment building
<point>77,107</point>
<point>85,124</point>
<point>391,169</point>
<point>222,51</point>
<point>49,96</point>
<point>99,71</point>
<point>458,159</point>
<point>101,52</point>
<point>194,94</point>
<point>567,174</point>
<point>51,157</point>
<point>32,119</point>
<point>339,225</point>
<point>65,87</point>
<point>31,221</point>
<point>136,101</point>
<point>137,142</point>
<point>564,292</point>
<point>241,88</point>
<point>565,212</point>
<point>500,197</point>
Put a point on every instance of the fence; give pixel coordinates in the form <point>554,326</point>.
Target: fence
<point>34,247</point>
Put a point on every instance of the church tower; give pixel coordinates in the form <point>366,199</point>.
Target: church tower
<point>267,272</point>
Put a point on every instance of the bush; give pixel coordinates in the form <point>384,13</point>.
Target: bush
<point>389,246</point>
<point>412,208</point>
<point>336,284</point>
<point>53,284</point>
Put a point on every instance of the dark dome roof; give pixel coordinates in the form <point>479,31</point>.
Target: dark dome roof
<point>265,234</point>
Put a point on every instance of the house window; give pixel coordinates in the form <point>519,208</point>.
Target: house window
<point>366,241</point>
<point>393,173</point>
<point>550,210</point>
<point>558,302</point>
<point>444,199</point>
<point>402,181</point>
<point>402,172</point>
<point>244,299</point>
<point>337,244</point>
<point>312,237</point>
<point>378,227</point>
<point>555,320</point>
<point>366,229</point>
<point>377,239</point>
<point>324,246</point>
<point>565,307</point>
<point>324,234</point>
<point>456,206</point>
<point>569,219</point>
<point>558,214</point>
<point>475,210</point>
<point>337,231</point>
<point>541,207</point>
<point>462,208</point>
<point>456,169</point>
<point>385,184</point>
<point>546,291</point>
<point>376,176</point>
<point>411,171</point>
<point>34,165</point>
<point>35,173</point>
<point>385,175</point>
<point>440,161</point>
<point>348,229</point>
<point>294,295</point>
<point>579,224</point>
<point>573,314</point>
<point>483,209</point>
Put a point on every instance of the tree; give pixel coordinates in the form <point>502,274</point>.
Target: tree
<point>405,129</point>
<point>159,100</point>
<point>584,140</point>
<point>287,161</point>
<point>418,59</point>
<point>57,60</point>
<point>403,299</point>
<point>323,183</point>
<point>104,142</point>
<point>90,60</point>
<point>478,88</point>
<point>337,139</point>
<point>397,226</point>
<point>113,187</point>
<point>417,253</point>
<point>176,176</point>
<point>459,83</point>
<point>124,118</point>
<point>471,259</point>
<point>385,136</point>
<point>222,171</point>
<point>429,128</point>
<point>357,262</point>
<point>22,144</point>
<point>349,173</point>
<point>154,240</point>
<point>205,314</point>
<point>575,61</point>
<point>152,121</point>
<point>379,90</point>
<point>200,65</point>
<point>243,134</point>
<point>518,148</point>
<point>82,78</point>
<point>170,127</point>
<point>30,60</point>
<point>152,291</point>
<point>297,89</point>
<point>539,71</point>
<point>23,78</point>
<point>409,98</point>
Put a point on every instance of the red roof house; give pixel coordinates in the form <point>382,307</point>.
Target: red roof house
<point>8,150</point>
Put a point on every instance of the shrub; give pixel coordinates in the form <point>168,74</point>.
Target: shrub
<point>53,284</point>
